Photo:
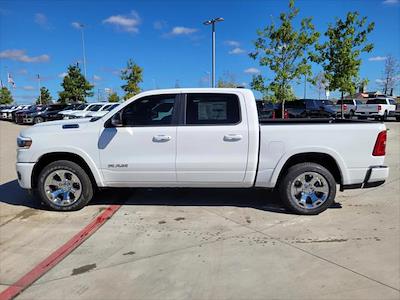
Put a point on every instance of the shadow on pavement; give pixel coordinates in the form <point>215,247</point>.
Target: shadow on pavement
<point>261,199</point>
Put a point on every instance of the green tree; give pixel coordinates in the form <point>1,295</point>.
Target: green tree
<point>339,54</point>
<point>227,80</point>
<point>113,97</point>
<point>45,97</point>
<point>76,87</point>
<point>133,75</point>
<point>285,51</point>
<point>5,96</point>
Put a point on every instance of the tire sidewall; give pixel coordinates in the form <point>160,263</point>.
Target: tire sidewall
<point>86,185</point>
<point>292,174</point>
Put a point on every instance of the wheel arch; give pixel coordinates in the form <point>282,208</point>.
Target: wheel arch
<point>48,158</point>
<point>323,159</point>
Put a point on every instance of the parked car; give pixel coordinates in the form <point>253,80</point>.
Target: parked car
<point>13,113</point>
<point>82,112</point>
<point>378,108</point>
<point>92,109</point>
<point>71,108</point>
<point>349,107</point>
<point>8,114</point>
<point>103,111</point>
<point>20,116</point>
<point>3,111</point>
<point>268,111</point>
<point>200,138</point>
<point>50,113</point>
<point>306,108</point>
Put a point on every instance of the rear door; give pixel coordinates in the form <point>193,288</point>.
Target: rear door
<point>212,143</point>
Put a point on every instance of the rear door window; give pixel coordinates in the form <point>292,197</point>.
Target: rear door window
<point>212,109</point>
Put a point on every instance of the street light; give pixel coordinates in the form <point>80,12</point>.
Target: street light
<point>212,22</point>
<point>81,26</point>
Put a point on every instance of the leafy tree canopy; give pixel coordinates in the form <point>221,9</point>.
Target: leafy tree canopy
<point>5,96</point>
<point>76,87</point>
<point>45,97</point>
<point>133,75</point>
<point>113,97</point>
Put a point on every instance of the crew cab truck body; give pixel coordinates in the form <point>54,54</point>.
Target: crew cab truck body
<point>200,138</point>
<point>378,108</point>
<point>349,107</point>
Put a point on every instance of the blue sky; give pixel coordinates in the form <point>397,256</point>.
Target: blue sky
<point>166,38</point>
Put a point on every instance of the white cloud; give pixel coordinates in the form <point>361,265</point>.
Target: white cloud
<point>237,50</point>
<point>128,23</point>
<point>391,2</point>
<point>22,71</point>
<point>232,43</point>
<point>377,58</point>
<point>19,55</point>
<point>96,77</point>
<point>62,75</point>
<point>379,81</point>
<point>28,88</point>
<point>41,19</point>
<point>252,71</point>
<point>76,25</point>
<point>180,30</point>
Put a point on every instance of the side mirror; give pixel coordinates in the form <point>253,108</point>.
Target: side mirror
<point>116,120</point>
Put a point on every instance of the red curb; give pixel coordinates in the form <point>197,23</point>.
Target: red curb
<point>58,255</point>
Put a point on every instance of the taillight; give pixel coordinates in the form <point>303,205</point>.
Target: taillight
<point>344,106</point>
<point>380,144</point>
<point>379,107</point>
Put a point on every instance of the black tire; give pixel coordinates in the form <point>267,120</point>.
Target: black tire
<point>286,184</point>
<point>351,114</point>
<point>397,119</point>
<point>38,120</point>
<point>86,185</point>
<point>384,117</point>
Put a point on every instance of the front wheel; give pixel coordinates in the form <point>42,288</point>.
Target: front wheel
<point>384,117</point>
<point>64,186</point>
<point>308,189</point>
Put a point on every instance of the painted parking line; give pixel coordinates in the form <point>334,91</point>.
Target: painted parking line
<point>58,255</point>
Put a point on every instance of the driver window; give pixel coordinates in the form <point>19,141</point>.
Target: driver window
<point>150,111</point>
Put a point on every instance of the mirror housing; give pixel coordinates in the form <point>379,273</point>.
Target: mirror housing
<point>116,120</point>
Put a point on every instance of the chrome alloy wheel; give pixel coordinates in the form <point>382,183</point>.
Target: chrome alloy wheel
<point>62,187</point>
<point>310,190</point>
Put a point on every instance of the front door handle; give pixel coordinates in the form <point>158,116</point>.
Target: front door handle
<point>232,137</point>
<point>160,138</point>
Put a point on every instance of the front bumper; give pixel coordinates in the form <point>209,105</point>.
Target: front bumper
<point>375,176</point>
<point>24,174</point>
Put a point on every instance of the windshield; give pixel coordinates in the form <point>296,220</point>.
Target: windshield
<point>112,107</point>
<point>95,107</point>
<point>81,107</point>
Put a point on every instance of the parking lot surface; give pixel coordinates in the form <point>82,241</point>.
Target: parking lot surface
<point>205,243</point>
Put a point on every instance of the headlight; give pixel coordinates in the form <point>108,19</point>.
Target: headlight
<point>24,142</point>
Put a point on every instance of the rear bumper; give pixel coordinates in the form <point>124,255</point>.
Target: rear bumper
<point>24,174</point>
<point>375,176</point>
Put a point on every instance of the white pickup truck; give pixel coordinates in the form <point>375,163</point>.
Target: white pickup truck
<point>200,138</point>
<point>378,108</point>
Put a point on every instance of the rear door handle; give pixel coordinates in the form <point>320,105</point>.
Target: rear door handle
<point>160,138</point>
<point>232,137</point>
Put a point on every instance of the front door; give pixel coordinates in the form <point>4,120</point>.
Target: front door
<point>143,149</point>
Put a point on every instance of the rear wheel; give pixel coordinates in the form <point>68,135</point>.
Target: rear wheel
<point>38,120</point>
<point>308,189</point>
<point>63,185</point>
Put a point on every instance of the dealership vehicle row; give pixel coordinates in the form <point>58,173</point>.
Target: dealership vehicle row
<point>378,108</point>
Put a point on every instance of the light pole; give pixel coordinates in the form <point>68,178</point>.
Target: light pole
<point>212,23</point>
<point>81,26</point>
<point>40,93</point>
